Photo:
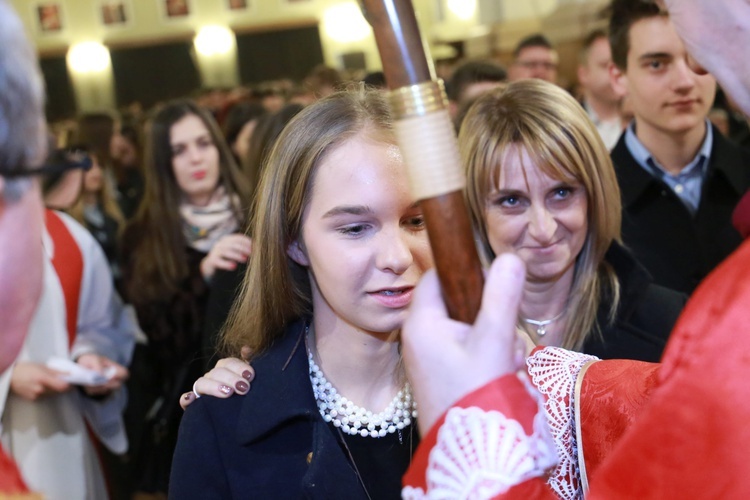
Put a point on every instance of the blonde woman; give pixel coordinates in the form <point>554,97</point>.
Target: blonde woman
<point>541,185</point>
<point>98,211</point>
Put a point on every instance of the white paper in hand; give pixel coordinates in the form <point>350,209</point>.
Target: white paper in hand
<point>79,375</point>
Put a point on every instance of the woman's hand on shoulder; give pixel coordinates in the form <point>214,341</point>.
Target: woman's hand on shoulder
<point>229,376</point>
<point>226,254</point>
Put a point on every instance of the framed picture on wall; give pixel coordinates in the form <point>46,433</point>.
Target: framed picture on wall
<point>238,4</point>
<point>114,13</point>
<point>176,9</point>
<point>49,17</point>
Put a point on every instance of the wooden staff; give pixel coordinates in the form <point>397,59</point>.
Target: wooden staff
<point>427,140</point>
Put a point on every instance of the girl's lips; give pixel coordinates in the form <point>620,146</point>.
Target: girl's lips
<point>686,103</point>
<point>199,175</point>
<point>394,298</point>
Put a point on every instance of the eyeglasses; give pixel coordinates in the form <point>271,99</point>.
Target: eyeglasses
<point>62,161</point>
<point>549,66</point>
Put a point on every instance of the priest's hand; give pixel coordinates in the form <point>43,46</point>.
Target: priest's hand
<point>446,359</point>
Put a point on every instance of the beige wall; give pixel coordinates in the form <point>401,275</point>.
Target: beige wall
<point>147,23</point>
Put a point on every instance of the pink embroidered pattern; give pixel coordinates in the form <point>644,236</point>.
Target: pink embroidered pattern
<point>480,454</point>
<point>554,371</point>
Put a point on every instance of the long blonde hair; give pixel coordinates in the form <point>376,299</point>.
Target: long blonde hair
<point>554,129</point>
<point>276,290</point>
<point>105,198</point>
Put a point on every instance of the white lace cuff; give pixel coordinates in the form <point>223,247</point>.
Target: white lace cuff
<point>480,454</point>
<point>554,372</point>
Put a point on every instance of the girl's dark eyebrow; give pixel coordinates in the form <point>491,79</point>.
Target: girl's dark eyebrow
<point>348,210</point>
<point>199,138</point>
<point>356,210</point>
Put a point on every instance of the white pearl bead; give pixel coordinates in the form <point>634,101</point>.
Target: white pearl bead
<point>353,419</point>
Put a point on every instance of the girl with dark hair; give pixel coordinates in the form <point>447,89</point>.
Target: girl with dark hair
<point>186,228</point>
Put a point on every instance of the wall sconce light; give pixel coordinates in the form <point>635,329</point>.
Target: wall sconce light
<point>88,57</point>
<point>463,9</point>
<point>344,23</point>
<point>214,40</point>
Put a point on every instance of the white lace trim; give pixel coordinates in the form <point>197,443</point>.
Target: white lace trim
<point>554,372</point>
<point>480,454</point>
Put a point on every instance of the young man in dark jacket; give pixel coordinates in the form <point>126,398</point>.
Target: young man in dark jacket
<point>680,178</point>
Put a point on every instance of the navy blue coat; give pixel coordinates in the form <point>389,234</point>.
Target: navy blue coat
<point>269,444</point>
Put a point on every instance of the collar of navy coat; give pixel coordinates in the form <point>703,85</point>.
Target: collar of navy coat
<point>724,163</point>
<point>282,395</point>
<point>283,391</point>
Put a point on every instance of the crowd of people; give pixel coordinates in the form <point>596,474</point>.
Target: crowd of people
<point>256,259</point>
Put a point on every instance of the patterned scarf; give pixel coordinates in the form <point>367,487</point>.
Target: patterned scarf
<point>204,226</point>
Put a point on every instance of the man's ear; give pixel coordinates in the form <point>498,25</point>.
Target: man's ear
<point>582,73</point>
<point>619,80</point>
<point>297,253</point>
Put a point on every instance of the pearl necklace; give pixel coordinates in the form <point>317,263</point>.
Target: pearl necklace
<point>541,325</point>
<point>353,419</point>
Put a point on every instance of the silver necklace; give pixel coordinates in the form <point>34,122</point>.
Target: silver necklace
<point>541,326</point>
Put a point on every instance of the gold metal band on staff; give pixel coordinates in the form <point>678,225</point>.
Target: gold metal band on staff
<point>418,100</point>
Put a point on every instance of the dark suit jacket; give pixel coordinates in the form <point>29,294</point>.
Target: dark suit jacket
<point>269,444</point>
<point>644,318</point>
<point>677,248</point>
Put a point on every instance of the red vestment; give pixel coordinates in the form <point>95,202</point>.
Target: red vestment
<point>690,434</point>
